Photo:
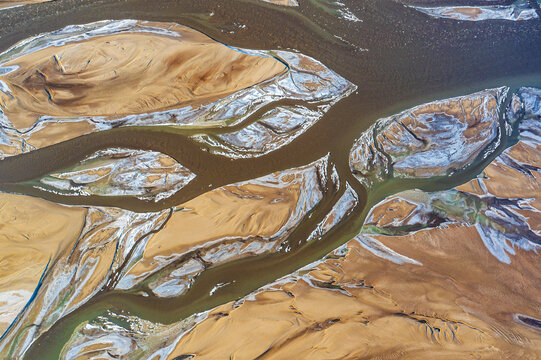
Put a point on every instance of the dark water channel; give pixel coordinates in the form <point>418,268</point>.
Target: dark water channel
<point>396,56</point>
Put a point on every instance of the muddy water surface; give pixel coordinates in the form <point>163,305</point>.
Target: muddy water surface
<point>397,57</point>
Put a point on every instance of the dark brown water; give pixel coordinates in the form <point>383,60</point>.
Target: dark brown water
<point>408,59</point>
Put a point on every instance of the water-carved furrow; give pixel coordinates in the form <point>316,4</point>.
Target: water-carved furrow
<point>431,139</point>
<point>372,243</point>
<point>199,180</point>
<point>120,172</point>
<point>141,74</point>
<point>221,226</point>
<point>268,208</point>
<point>376,285</point>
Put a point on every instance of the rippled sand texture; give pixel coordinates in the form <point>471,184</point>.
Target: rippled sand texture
<point>517,11</point>
<point>93,77</point>
<point>443,274</point>
<point>162,252</point>
<point>6,4</point>
<point>121,172</point>
<point>395,291</point>
<point>428,140</point>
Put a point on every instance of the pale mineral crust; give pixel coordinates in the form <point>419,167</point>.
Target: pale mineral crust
<point>395,290</point>
<point>519,10</point>
<point>89,78</point>
<point>34,234</point>
<point>283,2</point>
<point>126,73</point>
<point>428,140</point>
<point>443,274</point>
<point>309,81</point>
<point>361,305</point>
<point>79,251</point>
<point>228,223</point>
<point>83,252</point>
<point>121,172</point>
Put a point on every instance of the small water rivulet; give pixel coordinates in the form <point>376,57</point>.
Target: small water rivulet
<point>363,290</point>
<point>396,58</point>
<point>228,282</point>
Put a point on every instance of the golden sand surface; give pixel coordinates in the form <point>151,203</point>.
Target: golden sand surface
<point>94,77</point>
<point>505,180</point>
<point>53,133</point>
<point>121,172</point>
<point>91,248</point>
<point>428,140</point>
<point>33,233</point>
<point>261,210</point>
<point>472,12</point>
<point>81,246</point>
<point>128,73</point>
<point>283,2</point>
<point>362,306</point>
<point>403,298</point>
<point>473,117</point>
<point>6,4</point>
<point>220,214</point>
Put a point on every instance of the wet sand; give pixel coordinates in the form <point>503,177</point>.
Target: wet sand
<point>229,223</point>
<point>395,291</point>
<point>120,172</point>
<point>401,68</point>
<point>363,306</point>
